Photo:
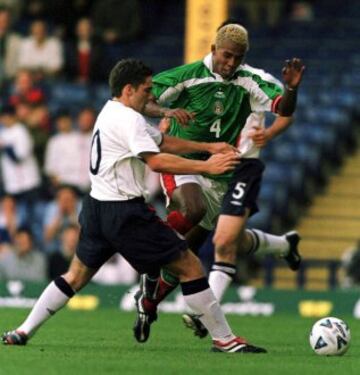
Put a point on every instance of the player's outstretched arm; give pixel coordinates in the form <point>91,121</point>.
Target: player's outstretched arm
<point>167,163</point>
<point>182,116</point>
<point>262,136</point>
<point>292,76</point>
<point>174,145</point>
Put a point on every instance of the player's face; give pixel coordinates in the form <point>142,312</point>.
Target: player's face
<point>141,95</point>
<point>227,57</point>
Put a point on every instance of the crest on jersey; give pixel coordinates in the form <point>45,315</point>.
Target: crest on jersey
<point>218,107</point>
<point>219,94</point>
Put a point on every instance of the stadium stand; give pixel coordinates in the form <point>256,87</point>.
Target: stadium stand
<point>321,141</point>
<point>317,145</point>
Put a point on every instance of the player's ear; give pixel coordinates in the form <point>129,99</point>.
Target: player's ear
<point>128,89</point>
<point>213,48</point>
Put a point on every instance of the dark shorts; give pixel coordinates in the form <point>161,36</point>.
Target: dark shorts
<point>243,188</point>
<point>130,228</point>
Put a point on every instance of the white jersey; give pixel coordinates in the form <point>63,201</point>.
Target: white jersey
<point>72,168</point>
<point>21,175</point>
<point>120,135</point>
<point>245,144</point>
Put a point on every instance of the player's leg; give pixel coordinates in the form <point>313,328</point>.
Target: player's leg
<point>285,246</point>
<point>243,191</point>
<point>230,235</point>
<point>212,192</point>
<point>196,237</point>
<point>53,298</point>
<point>164,247</point>
<point>229,232</point>
<point>238,203</point>
<point>158,285</point>
<point>257,241</point>
<point>187,206</point>
<point>202,301</point>
<point>92,251</point>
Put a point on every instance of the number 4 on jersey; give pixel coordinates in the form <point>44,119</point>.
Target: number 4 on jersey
<point>216,128</point>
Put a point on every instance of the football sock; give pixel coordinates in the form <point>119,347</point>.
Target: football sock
<point>179,222</point>
<point>165,285</point>
<point>268,244</point>
<point>150,285</point>
<point>220,277</point>
<point>52,299</point>
<point>202,301</point>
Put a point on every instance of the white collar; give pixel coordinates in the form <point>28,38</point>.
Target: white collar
<point>208,62</point>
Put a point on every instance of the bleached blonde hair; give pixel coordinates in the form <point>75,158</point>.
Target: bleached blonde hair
<point>234,32</point>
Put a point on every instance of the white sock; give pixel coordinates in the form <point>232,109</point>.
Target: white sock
<point>268,244</point>
<point>51,300</point>
<point>204,304</point>
<point>220,278</point>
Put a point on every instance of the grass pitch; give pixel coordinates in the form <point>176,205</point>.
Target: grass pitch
<point>101,342</point>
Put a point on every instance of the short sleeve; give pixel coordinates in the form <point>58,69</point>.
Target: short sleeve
<point>155,134</point>
<point>139,138</point>
<point>264,89</point>
<point>265,96</point>
<point>166,86</point>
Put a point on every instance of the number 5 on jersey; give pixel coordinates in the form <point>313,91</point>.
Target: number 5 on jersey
<point>238,193</point>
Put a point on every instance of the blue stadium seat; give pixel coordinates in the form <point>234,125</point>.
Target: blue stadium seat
<point>263,219</point>
<point>276,195</point>
<point>100,94</point>
<point>314,135</point>
<point>289,174</point>
<point>69,96</point>
<point>299,153</point>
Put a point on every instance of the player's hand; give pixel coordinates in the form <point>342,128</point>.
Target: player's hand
<point>292,72</point>
<point>260,136</point>
<point>221,148</point>
<point>181,115</point>
<point>164,125</point>
<point>221,163</point>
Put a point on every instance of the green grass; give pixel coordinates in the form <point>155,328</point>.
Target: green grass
<point>101,342</point>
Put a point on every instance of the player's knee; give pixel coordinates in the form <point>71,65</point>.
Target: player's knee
<point>189,267</point>
<point>76,278</point>
<point>75,281</point>
<point>190,201</point>
<point>225,248</point>
<point>224,241</point>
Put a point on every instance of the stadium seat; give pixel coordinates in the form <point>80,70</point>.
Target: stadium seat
<point>263,219</point>
<point>288,173</point>
<point>99,94</point>
<point>70,92</point>
<point>276,196</point>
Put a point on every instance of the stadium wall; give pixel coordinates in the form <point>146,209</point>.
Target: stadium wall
<point>238,300</point>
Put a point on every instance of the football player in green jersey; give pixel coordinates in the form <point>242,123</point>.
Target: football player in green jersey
<point>211,100</point>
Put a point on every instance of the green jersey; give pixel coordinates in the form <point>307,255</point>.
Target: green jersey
<point>221,106</point>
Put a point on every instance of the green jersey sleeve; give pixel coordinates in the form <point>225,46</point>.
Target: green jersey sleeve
<point>265,90</point>
<point>170,84</point>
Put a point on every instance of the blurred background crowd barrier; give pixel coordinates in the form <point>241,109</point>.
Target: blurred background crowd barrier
<point>54,60</point>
